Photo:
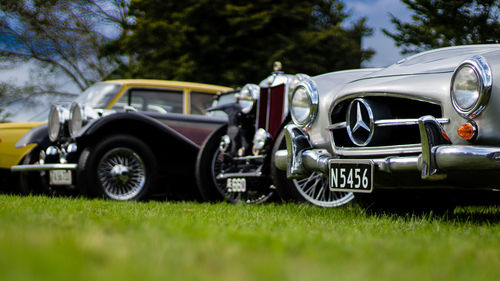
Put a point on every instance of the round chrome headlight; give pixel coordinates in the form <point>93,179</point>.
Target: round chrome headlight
<point>304,103</point>
<point>76,118</point>
<point>471,87</point>
<point>80,115</point>
<point>57,117</point>
<point>247,97</point>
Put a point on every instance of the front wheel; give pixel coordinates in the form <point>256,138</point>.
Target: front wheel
<point>211,163</point>
<point>33,182</point>
<point>121,167</point>
<point>313,189</point>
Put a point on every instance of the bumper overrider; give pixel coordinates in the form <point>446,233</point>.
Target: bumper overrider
<point>438,158</point>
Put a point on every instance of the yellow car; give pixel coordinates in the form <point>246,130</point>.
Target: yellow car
<point>142,95</point>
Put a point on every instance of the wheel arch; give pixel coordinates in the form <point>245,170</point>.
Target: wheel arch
<point>38,135</point>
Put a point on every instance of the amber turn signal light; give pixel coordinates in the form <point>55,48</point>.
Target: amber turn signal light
<point>467,131</point>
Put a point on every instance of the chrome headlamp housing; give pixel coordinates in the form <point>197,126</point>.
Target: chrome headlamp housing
<point>247,97</point>
<point>471,86</point>
<point>304,103</point>
<point>80,115</point>
<point>57,117</point>
<point>297,78</point>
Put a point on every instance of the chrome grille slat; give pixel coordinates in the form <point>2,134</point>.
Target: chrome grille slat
<point>388,122</point>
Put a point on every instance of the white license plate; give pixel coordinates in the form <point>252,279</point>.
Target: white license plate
<point>60,177</point>
<point>236,185</point>
<point>351,175</point>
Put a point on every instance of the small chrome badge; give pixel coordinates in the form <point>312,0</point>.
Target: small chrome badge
<point>360,122</point>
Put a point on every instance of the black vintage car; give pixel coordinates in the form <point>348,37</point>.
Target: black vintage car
<point>236,161</point>
<point>123,140</point>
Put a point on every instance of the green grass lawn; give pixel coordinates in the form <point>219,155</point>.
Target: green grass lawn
<point>45,238</point>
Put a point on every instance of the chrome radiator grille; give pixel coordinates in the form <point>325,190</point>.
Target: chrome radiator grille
<point>379,121</point>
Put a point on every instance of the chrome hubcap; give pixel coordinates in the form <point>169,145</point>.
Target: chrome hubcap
<point>121,173</point>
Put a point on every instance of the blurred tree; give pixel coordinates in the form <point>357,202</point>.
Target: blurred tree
<point>232,42</point>
<point>20,103</point>
<point>440,23</point>
<point>63,37</point>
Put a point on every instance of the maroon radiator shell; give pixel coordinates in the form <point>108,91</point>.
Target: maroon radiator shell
<point>270,109</point>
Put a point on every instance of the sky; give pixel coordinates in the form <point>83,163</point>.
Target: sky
<point>376,12</point>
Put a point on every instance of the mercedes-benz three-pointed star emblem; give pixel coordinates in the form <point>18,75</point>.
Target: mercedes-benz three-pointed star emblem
<point>360,122</point>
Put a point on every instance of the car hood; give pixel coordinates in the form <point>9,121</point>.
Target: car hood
<point>19,125</point>
<point>435,61</point>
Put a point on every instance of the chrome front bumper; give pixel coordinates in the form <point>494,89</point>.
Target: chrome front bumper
<point>43,167</point>
<point>438,155</point>
<point>57,154</point>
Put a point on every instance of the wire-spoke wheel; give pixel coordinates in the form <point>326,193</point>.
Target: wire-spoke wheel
<point>122,173</point>
<point>315,189</point>
<point>210,164</point>
<point>252,193</point>
<point>121,167</point>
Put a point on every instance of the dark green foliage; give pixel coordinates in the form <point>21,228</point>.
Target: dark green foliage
<point>235,42</point>
<point>440,23</point>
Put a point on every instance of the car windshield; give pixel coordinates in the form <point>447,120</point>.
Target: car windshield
<point>224,98</point>
<point>99,95</point>
<point>42,116</point>
<point>35,108</point>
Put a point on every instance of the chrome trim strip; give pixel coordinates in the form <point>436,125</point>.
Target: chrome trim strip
<point>378,150</point>
<point>389,122</point>
<point>239,175</point>
<point>405,122</point>
<point>251,157</point>
<point>339,125</point>
<point>44,167</point>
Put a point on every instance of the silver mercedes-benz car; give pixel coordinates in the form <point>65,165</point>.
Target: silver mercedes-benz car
<point>428,122</point>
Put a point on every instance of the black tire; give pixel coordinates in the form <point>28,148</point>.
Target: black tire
<point>313,189</point>
<point>121,167</point>
<point>33,182</point>
<point>208,162</point>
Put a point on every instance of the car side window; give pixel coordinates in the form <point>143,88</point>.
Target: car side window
<point>159,101</point>
<point>122,102</point>
<point>200,102</point>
